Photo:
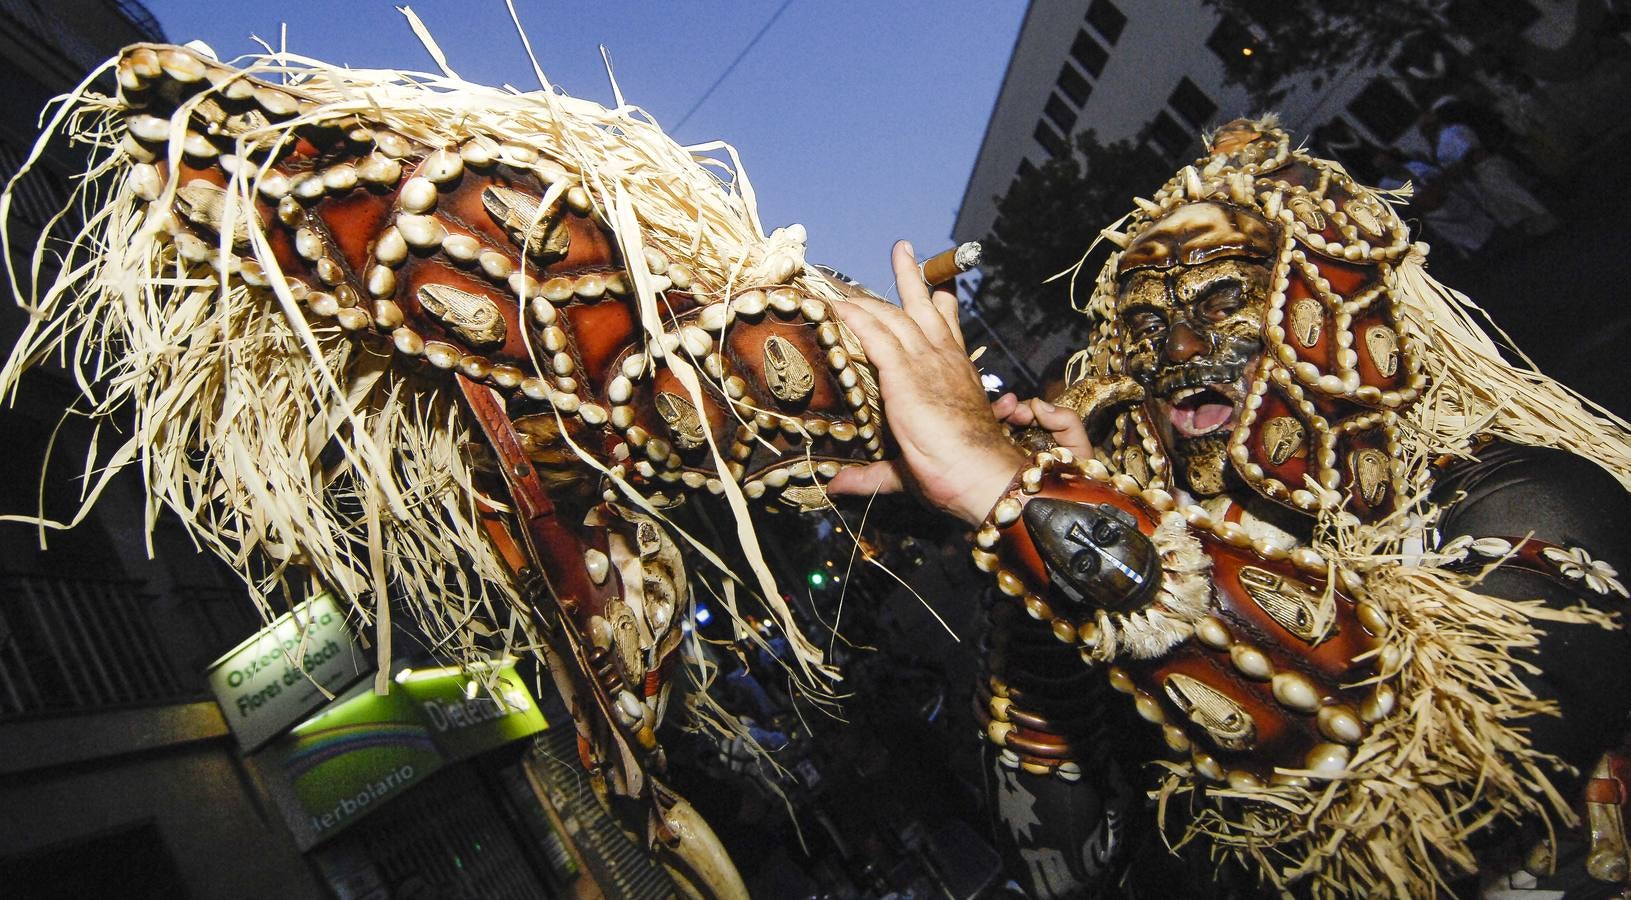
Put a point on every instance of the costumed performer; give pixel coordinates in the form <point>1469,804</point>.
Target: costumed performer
<point>1356,575</point>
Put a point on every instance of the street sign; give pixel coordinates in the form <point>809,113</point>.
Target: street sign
<point>279,675</point>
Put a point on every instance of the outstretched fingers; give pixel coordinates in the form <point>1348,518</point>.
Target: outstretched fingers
<point>880,337</point>
<point>952,453</point>
<point>883,318</point>
<point>925,311</point>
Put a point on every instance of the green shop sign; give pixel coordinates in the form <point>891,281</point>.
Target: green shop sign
<point>463,719</point>
<point>364,749</point>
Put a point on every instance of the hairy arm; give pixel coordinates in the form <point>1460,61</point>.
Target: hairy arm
<point>954,455</point>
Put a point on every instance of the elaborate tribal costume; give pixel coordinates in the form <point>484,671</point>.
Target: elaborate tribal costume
<point>1320,549</point>
<point>460,347</point>
<point>413,338</point>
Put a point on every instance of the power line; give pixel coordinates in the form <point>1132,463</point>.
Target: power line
<point>732,67</point>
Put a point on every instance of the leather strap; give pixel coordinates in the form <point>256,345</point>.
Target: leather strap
<point>542,535</point>
<point>1606,790</point>
<point>555,563</point>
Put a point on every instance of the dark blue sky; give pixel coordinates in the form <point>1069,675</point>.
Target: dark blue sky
<point>858,119</point>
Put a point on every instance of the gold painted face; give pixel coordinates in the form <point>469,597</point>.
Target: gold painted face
<point>1371,469</point>
<point>786,370</point>
<point>1193,336</point>
<point>1191,311</point>
<point>1225,721</point>
<point>1383,344</point>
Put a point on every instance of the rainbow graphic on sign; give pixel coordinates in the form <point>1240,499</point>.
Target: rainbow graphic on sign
<point>365,749</point>
<point>314,748</point>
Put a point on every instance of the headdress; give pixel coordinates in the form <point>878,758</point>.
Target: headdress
<point>1371,369</point>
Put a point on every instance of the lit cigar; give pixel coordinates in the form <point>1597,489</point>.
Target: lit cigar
<point>943,267</point>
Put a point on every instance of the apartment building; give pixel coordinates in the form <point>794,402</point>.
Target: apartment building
<point>1154,71</point>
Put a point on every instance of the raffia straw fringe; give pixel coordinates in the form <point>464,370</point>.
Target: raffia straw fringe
<point>289,450</point>
<point>1472,391</point>
<point>1455,758</point>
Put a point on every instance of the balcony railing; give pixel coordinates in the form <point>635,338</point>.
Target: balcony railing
<point>72,644</point>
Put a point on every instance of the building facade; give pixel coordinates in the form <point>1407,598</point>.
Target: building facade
<point>1153,72</point>
<point>120,774</point>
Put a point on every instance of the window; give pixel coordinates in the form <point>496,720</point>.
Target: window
<point>1384,110</point>
<point>1050,140</point>
<point>1074,85</point>
<point>1231,41</point>
<point>1088,52</point>
<point>1189,101</point>
<point>1106,20</point>
<point>58,623</point>
<point>1060,113</point>
<point>1025,170</point>
<point>1172,139</point>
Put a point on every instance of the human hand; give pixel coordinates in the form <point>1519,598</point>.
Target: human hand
<point>954,454</point>
<point>1062,423</point>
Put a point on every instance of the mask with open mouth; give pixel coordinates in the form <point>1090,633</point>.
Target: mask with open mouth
<point>1198,424</point>
<point>1191,306</point>
<point>1254,302</point>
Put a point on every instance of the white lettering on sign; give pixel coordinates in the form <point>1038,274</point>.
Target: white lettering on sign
<point>447,715</point>
<point>350,806</point>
